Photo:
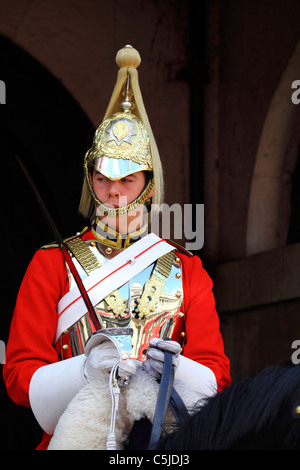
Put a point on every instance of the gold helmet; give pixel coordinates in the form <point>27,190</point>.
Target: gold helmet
<point>123,143</point>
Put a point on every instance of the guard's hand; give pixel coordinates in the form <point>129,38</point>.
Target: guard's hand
<point>101,360</point>
<point>155,356</point>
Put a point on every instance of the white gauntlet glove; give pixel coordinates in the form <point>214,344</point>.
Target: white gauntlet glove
<point>155,356</point>
<point>101,360</point>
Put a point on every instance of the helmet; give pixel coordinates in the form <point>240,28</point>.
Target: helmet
<point>123,143</point>
<point>120,148</point>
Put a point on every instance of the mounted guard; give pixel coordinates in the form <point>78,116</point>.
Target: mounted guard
<point>141,290</point>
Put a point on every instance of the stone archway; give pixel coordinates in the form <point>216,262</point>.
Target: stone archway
<point>43,124</point>
<point>268,213</point>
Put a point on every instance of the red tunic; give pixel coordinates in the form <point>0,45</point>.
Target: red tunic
<point>33,326</point>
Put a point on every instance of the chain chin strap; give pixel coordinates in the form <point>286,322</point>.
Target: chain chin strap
<point>111,443</point>
<point>120,211</point>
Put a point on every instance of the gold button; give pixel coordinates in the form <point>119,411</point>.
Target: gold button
<point>178,295</point>
<point>93,243</point>
<point>177,260</point>
<point>297,409</point>
<point>177,275</point>
<point>65,347</point>
<point>108,250</point>
<point>181,314</point>
<point>182,334</point>
<point>65,332</point>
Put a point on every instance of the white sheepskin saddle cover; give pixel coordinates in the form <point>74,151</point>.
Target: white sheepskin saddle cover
<point>85,424</point>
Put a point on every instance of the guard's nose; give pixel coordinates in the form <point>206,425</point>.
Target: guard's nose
<point>114,190</point>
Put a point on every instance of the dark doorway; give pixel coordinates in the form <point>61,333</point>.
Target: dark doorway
<point>43,124</point>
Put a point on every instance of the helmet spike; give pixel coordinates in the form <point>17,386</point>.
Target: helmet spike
<point>127,105</point>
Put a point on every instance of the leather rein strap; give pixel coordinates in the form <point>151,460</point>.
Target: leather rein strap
<point>167,395</point>
<point>163,398</point>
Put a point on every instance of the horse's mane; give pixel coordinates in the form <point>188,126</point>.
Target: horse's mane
<point>257,412</point>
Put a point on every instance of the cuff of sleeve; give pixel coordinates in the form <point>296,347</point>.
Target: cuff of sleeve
<point>51,389</point>
<point>198,377</point>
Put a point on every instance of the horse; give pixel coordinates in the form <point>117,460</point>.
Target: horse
<point>255,413</point>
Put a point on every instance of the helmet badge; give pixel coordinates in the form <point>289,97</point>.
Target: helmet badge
<point>121,131</point>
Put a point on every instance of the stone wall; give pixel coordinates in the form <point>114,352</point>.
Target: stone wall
<point>77,42</point>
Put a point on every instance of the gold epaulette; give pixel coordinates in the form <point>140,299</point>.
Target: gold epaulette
<point>80,250</point>
<point>180,248</point>
<point>66,240</point>
<point>83,254</point>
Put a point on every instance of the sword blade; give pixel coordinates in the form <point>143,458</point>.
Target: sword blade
<point>40,201</point>
<point>62,245</point>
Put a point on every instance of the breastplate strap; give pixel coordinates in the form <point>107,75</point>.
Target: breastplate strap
<point>154,287</point>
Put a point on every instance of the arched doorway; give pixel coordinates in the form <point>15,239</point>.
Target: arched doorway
<point>268,218</point>
<point>43,124</point>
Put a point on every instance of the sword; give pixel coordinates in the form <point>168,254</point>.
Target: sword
<point>63,247</point>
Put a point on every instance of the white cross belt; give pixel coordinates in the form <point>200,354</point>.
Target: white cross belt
<point>109,277</point>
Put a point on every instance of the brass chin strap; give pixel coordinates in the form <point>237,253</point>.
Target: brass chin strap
<point>109,237</point>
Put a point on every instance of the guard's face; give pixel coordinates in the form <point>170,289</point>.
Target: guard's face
<point>119,193</point>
